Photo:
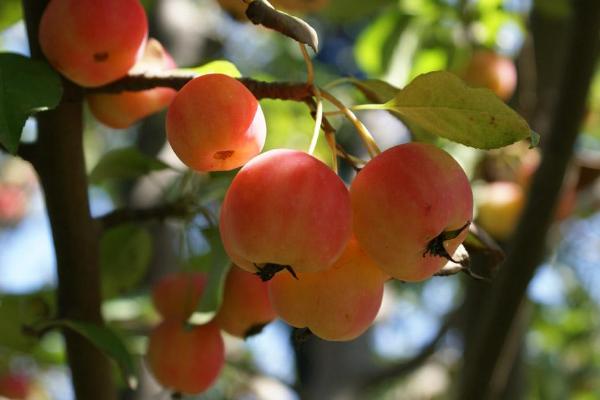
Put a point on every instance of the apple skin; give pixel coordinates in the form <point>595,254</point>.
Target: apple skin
<point>339,303</point>
<point>14,386</point>
<point>403,199</point>
<point>286,207</point>
<point>499,207</point>
<point>176,296</point>
<point>215,124</point>
<point>186,359</point>
<point>493,71</point>
<point>13,204</point>
<point>120,111</point>
<point>246,307</point>
<point>93,42</point>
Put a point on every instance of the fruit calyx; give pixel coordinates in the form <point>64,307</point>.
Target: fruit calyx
<point>436,248</point>
<point>267,271</point>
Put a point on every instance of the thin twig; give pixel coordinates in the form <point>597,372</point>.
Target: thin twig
<point>179,209</point>
<point>363,132</point>
<point>402,368</point>
<point>175,80</point>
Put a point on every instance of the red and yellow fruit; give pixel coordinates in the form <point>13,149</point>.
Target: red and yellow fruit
<point>176,296</point>
<point>93,42</point>
<point>339,303</point>
<point>246,307</point>
<point>215,124</point>
<point>186,359</point>
<point>493,71</point>
<point>286,207</point>
<point>121,110</point>
<point>499,206</point>
<point>403,202</point>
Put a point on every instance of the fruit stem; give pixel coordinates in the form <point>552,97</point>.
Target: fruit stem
<point>363,132</point>
<point>318,121</point>
<point>330,137</point>
<point>310,70</point>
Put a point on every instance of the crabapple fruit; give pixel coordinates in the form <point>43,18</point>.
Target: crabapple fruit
<point>499,206</point>
<point>176,296</point>
<point>493,71</point>
<point>285,208</point>
<point>215,124</point>
<point>13,204</point>
<point>246,307</point>
<point>186,359</point>
<point>411,208</point>
<point>14,386</point>
<point>93,42</point>
<point>339,303</point>
<point>121,110</point>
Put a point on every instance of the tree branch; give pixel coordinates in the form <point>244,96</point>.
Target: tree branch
<point>527,248</point>
<point>396,371</point>
<point>160,212</point>
<point>175,80</point>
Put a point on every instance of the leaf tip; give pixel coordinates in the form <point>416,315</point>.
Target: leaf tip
<point>534,138</point>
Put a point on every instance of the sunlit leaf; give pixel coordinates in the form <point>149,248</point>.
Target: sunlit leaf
<point>10,12</point>
<point>441,104</point>
<point>213,67</point>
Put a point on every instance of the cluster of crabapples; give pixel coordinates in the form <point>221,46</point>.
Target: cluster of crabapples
<point>306,248</point>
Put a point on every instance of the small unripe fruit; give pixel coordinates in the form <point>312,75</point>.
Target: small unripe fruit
<point>285,207</point>
<point>493,71</point>
<point>93,42</point>
<point>405,202</point>
<point>186,359</point>
<point>246,307</point>
<point>121,110</point>
<point>339,303</point>
<point>176,296</point>
<point>215,124</point>
<point>499,206</point>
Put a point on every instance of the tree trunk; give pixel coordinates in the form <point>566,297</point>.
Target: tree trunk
<point>59,161</point>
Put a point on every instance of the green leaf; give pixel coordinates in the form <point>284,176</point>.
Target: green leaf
<point>106,340</point>
<point>10,12</point>
<point>125,253</point>
<point>376,90</point>
<point>214,67</point>
<point>18,312</point>
<point>442,104</point>
<point>126,163</point>
<point>26,86</point>
<point>219,265</point>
